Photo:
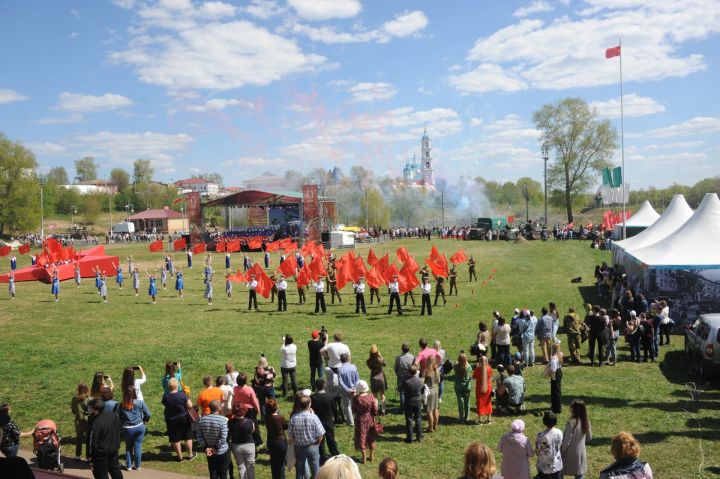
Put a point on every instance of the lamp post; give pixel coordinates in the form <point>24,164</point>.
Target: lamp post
<point>367,211</point>
<point>129,208</point>
<point>546,156</point>
<point>73,212</point>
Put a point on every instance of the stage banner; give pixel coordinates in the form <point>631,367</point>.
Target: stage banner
<point>311,212</point>
<point>194,215</point>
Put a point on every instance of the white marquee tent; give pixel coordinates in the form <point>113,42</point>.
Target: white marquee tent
<point>643,218</point>
<point>676,214</point>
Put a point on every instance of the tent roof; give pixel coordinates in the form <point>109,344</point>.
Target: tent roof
<point>696,245</point>
<point>644,216</point>
<point>156,214</point>
<point>248,198</point>
<point>676,214</point>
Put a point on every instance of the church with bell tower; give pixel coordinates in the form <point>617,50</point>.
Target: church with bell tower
<point>421,173</point>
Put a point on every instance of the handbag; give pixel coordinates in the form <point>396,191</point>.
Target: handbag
<point>379,428</point>
<point>192,414</point>
<point>185,388</point>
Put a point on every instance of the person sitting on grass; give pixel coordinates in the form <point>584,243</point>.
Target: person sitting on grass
<point>514,399</point>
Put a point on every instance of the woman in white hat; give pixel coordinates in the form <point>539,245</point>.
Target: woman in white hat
<point>365,409</point>
<point>517,451</point>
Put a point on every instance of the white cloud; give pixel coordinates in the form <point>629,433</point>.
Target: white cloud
<point>217,104</point>
<point>365,92</point>
<point>49,149</point>
<point>216,56</point>
<point>633,105</point>
<point>298,108</point>
<point>216,10</point>
<point>255,161</point>
<point>485,78</point>
<point>10,96</point>
<point>125,147</point>
<point>77,102</point>
<point>403,25</point>
<point>124,4</point>
<point>671,158</point>
<point>325,9</point>
<point>63,120</point>
<point>264,9</point>
<point>476,121</point>
<point>700,125</point>
<point>74,35</point>
<point>537,6</point>
<point>569,52</point>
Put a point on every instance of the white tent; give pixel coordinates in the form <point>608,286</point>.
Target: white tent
<point>643,217</point>
<point>696,245</point>
<point>676,214</point>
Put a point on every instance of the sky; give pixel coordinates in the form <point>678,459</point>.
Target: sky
<point>247,87</point>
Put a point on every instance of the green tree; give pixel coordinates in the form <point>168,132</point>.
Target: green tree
<point>91,207</point>
<point>120,178</point>
<point>211,177</point>
<point>142,172</point>
<point>583,145</point>
<point>374,209</point>
<point>57,175</point>
<point>85,169</point>
<point>19,188</point>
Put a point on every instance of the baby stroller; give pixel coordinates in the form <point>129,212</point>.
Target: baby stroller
<point>46,446</point>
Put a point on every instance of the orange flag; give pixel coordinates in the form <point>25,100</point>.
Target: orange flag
<point>437,269</point>
<point>238,277</point>
<point>156,246</point>
<point>390,273</point>
<point>180,244</point>
<point>359,269</point>
<point>402,254</point>
<point>384,263</point>
<point>289,266</point>
<point>303,277</point>
<point>374,279</point>
<point>291,247</point>
<point>411,265</point>
<point>255,243</point>
<point>199,248</point>
<point>371,258</point>
<point>458,257</point>
<point>317,268</point>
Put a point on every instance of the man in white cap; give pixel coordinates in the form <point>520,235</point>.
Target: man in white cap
<point>252,285</point>
<point>394,288</point>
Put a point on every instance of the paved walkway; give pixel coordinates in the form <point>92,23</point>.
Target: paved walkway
<point>81,469</point>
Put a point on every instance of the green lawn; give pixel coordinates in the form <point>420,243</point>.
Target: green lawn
<point>48,347</point>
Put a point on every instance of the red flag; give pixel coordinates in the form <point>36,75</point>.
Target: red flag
<point>402,254</point>
<point>199,248</point>
<point>408,281</point>
<point>307,248</point>
<point>5,250</point>
<point>238,277</point>
<point>373,278</point>
<point>458,257</point>
<point>437,269</point>
<point>233,246</point>
<point>411,265</point>
<point>359,269</point>
<point>255,243</point>
<point>285,242</point>
<point>179,199</point>
<point>371,258</point>
<point>383,263</point>
<point>220,246</point>
<point>434,253</point>
<point>291,247</point>
<point>303,277</point>
<point>179,244</point>
<point>274,246</point>
<point>318,250</point>
<point>390,273</point>
<point>612,52</point>
<point>317,268</point>
<point>23,249</point>
<point>265,284</point>
<point>511,219</point>
<point>156,246</point>
<point>289,266</point>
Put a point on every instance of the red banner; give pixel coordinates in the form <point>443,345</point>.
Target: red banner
<point>5,250</point>
<point>220,246</point>
<point>233,246</point>
<point>194,214</point>
<point>311,212</point>
<point>289,266</point>
<point>265,284</point>
<point>24,249</point>
<point>371,258</point>
<point>402,254</point>
<point>458,257</point>
<point>180,244</point>
<point>199,248</point>
<point>317,268</point>
<point>255,243</point>
<point>156,246</point>
<point>374,278</point>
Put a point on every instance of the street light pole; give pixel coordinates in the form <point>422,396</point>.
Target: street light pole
<point>367,210</point>
<point>526,194</point>
<point>546,156</point>
<point>73,212</point>
<point>442,206</point>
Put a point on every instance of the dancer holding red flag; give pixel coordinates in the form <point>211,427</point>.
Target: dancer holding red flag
<point>281,286</point>
<point>426,288</point>
<point>359,288</point>
<point>252,296</point>
<point>55,290</point>
<point>394,288</point>
<point>319,286</point>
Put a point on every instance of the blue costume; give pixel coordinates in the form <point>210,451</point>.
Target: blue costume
<point>136,280</point>
<point>77,276</point>
<point>208,290</point>
<point>13,263</point>
<point>98,280</point>
<point>179,284</point>
<point>163,277</point>
<point>227,261</point>
<point>228,286</point>
<point>119,277</point>
<point>55,285</point>
<point>103,288</point>
<point>152,290</point>
<point>11,285</point>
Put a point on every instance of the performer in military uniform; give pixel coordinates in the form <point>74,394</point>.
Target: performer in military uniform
<point>452,277</point>
<point>374,293</point>
<point>471,269</point>
<point>332,281</point>
<point>440,290</point>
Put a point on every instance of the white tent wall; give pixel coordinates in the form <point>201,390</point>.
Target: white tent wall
<point>644,217</point>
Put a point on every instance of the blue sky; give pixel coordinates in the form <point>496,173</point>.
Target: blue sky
<point>245,87</point>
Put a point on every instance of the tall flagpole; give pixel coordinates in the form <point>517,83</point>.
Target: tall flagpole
<point>622,148</point>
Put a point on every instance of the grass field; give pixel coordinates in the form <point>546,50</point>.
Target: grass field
<point>47,348</point>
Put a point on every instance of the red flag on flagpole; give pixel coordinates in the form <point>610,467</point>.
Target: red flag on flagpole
<point>612,52</point>
<point>458,257</point>
<point>402,254</point>
<point>233,246</point>
<point>25,248</point>
<point>156,246</point>
<point>303,277</point>
<point>255,243</point>
<point>371,258</point>
<point>199,248</point>
<point>289,266</point>
<point>374,278</point>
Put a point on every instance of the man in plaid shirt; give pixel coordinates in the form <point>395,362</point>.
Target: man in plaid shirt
<point>306,432</point>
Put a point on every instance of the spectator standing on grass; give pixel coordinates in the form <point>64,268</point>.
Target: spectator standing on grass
<point>104,442</point>
<point>245,395</point>
<point>79,408</point>
<point>134,414</point>
<point>632,335</point>
<point>315,346</point>
<point>647,337</point>
<point>288,364</point>
<point>431,376</point>
<point>347,376</point>
<point>463,386</point>
<point>402,371</point>
<point>573,328</point>
<point>545,332</point>
<point>527,334</point>
<point>242,445</point>
<point>626,450</point>
<point>555,370</point>
<point>517,451</point>
<point>412,388</point>
<point>575,437</point>
<point>378,382</point>
<point>333,351</point>
<point>230,374</point>
<point>212,434</point>
<point>502,340</point>
<point>264,383</point>
<point>479,462</point>
<point>547,449</point>
<point>323,405</point>
<point>207,395</point>
<point>596,325</point>
<point>306,432</point>
<point>483,390</point>
<point>277,443</point>
<point>365,409</point>
<point>176,419</point>
<point>227,394</point>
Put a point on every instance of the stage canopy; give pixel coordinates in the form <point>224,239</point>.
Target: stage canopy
<point>643,217</point>
<point>676,214</point>
<point>253,198</point>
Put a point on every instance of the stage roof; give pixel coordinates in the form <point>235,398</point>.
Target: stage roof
<point>249,198</point>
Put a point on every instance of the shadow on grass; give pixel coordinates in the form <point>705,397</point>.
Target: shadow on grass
<point>676,367</point>
<point>687,404</point>
<point>658,437</point>
<point>589,295</point>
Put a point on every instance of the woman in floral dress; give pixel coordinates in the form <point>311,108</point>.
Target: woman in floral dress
<point>365,409</point>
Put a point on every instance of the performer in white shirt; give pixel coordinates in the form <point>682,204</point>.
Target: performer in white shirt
<point>319,295</point>
<point>426,287</point>
<point>360,295</point>
<point>251,285</point>
<point>394,288</point>
<point>281,290</point>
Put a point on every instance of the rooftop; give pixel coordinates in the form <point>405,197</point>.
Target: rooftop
<point>156,214</point>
